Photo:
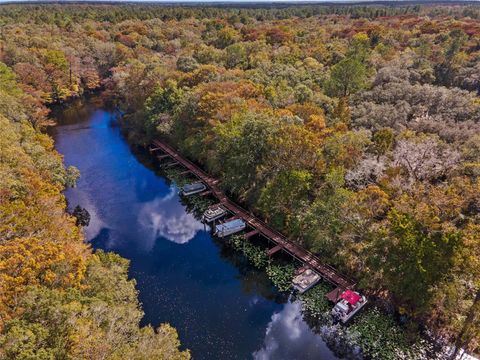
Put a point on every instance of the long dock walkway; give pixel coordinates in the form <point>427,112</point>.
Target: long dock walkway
<point>306,257</point>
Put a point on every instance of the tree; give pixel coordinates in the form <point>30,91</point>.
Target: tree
<point>359,47</point>
<point>71,176</point>
<point>367,172</point>
<point>296,146</point>
<point>459,312</point>
<point>283,196</point>
<point>470,327</point>
<point>160,104</point>
<point>316,123</point>
<point>347,77</point>
<point>236,56</point>
<point>425,158</point>
<point>99,320</point>
<point>341,114</point>
<point>303,93</point>
<point>345,148</point>
<point>8,82</point>
<point>244,141</point>
<point>383,141</point>
<point>82,216</point>
<point>398,102</point>
<point>186,63</point>
<point>323,225</point>
<point>164,98</point>
<point>445,72</point>
<point>225,37</point>
<point>277,36</point>
<point>412,259</point>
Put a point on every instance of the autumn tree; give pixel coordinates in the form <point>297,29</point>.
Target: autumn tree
<point>160,103</point>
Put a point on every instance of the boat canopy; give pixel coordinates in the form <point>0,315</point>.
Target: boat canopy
<point>305,280</point>
<point>351,297</point>
<point>230,225</point>
<point>193,187</point>
<point>218,210</point>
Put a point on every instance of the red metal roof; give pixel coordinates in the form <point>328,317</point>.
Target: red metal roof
<point>351,296</point>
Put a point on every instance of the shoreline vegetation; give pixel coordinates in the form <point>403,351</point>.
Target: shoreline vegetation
<point>371,334</point>
<point>352,129</point>
<point>58,299</point>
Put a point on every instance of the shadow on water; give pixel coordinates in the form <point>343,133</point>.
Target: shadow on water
<point>222,307</point>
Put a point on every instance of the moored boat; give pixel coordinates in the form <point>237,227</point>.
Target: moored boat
<point>214,213</point>
<point>305,280</point>
<point>350,303</point>
<point>194,188</point>
<point>230,227</point>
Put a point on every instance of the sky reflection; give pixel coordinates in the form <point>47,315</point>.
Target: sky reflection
<point>221,307</point>
<point>166,217</point>
<point>288,337</point>
<point>96,224</point>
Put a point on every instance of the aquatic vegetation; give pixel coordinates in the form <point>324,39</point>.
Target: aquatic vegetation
<point>314,300</point>
<point>356,134</point>
<point>380,338</point>
<point>255,254</point>
<point>174,175</point>
<point>281,276</point>
<point>198,204</point>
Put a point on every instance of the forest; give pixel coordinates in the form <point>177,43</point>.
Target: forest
<point>355,130</point>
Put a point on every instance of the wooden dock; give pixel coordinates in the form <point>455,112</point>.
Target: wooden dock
<point>329,273</point>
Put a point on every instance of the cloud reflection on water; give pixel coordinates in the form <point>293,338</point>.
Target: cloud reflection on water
<point>96,224</point>
<point>289,337</point>
<point>166,217</point>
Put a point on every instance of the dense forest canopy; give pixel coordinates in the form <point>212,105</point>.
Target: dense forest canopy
<point>57,299</point>
<point>353,129</point>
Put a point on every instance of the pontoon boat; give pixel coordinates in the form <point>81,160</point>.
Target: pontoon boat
<point>194,188</point>
<point>350,303</point>
<point>214,213</point>
<point>229,227</point>
<point>305,280</point>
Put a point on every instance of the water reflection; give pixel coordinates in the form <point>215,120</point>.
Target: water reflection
<point>166,217</point>
<point>289,337</point>
<point>221,306</point>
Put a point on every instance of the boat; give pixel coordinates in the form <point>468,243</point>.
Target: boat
<point>229,227</point>
<point>193,188</point>
<point>350,303</point>
<point>305,280</point>
<point>214,213</point>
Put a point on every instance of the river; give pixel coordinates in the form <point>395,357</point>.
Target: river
<point>221,306</point>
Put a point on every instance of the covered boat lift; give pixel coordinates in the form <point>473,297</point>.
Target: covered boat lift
<point>230,227</point>
<point>193,188</point>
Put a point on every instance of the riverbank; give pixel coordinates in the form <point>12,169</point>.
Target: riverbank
<point>311,116</point>
<point>372,335</point>
<point>58,298</point>
<point>220,305</point>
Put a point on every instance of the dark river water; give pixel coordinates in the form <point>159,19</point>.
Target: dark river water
<point>221,307</point>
